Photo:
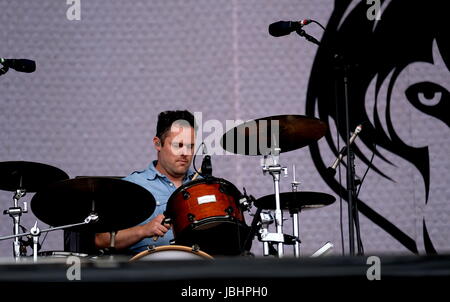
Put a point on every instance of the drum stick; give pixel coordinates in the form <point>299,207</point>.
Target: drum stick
<point>197,174</point>
<point>156,236</point>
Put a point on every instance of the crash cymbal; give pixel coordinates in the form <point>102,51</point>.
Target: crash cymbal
<point>119,204</point>
<point>29,176</point>
<point>296,200</point>
<point>256,137</point>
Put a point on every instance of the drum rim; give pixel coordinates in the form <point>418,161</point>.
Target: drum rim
<point>170,248</point>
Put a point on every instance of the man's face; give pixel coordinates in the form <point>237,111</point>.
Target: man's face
<point>175,154</point>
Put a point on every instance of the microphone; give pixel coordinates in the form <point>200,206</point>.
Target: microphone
<point>20,65</point>
<point>283,28</point>
<point>206,163</point>
<point>206,166</point>
<point>332,170</point>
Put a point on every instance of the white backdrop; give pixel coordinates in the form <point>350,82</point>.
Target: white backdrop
<point>91,106</point>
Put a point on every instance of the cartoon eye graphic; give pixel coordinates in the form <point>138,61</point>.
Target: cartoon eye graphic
<point>426,93</point>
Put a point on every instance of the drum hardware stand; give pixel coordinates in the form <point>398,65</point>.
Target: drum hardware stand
<point>266,219</point>
<point>36,232</point>
<point>324,250</point>
<point>246,202</point>
<point>268,239</point>
<point>112,244</point>
<point>254,228</point>
<point>294,214</point>
<point>15,213</point>
<point>352,182</point>
<point>273,167</point>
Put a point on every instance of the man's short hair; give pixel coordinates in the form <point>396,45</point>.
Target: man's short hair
<point>167,118</point>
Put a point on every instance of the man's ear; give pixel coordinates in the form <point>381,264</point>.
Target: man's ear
<point>157,143</point>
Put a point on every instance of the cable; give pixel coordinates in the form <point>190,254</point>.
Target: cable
<point>356,213</point>
<point>314,21</point>
<point>367,170</point>
<point>195,156</point>
<point>341,223</point>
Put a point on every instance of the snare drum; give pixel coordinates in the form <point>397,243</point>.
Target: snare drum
<point>171,252</point>
<point>206,212</point>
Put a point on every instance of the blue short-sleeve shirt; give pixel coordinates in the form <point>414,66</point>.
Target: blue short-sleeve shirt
<point>161,188</point>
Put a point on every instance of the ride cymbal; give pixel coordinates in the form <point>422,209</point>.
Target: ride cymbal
<point>287,132</point>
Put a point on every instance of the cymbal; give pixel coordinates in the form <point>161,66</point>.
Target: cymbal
<point>296,200</point>
<point>256,137</point>
<point>29,176</point>
<point>119,204</point>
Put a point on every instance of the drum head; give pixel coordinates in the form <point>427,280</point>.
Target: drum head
<point>171,252</point>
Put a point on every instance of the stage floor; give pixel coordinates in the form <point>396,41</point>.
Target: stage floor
<point>227,277</point>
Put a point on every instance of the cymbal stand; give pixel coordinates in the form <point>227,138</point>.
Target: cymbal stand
<point>294,214</point>
<point>266,219</point>
<point>271,165</point>
<point>112,244</point>
<point>36,232</point>
<point>15,213</point>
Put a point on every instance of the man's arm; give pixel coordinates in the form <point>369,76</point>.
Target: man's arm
<point>128,237</point>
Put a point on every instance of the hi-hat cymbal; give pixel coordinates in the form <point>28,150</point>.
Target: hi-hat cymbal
<point>29,176</point>
<point>296,200</point>
<point>119,204</point>
<point>257,137</point>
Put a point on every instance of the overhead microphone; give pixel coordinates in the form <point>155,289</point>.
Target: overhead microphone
<point>206,166</point>
<point>283,28</point>
<point>20,65</point>
<point>332,169</point>
<point>206,163</point>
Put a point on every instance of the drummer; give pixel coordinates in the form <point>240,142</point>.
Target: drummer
<point>174,143</point>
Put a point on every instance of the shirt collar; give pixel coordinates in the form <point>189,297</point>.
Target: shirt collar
<point>152,172</point>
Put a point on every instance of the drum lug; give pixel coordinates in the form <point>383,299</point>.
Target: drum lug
<point>151,247</point>
<point>229,210</point>
<point>186,195</point>
<point>191,217</point>
<point>195,248</point>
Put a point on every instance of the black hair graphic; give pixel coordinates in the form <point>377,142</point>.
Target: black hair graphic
<point>377,50</point>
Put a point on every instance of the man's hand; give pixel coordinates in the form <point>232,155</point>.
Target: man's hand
<point>155,228</point>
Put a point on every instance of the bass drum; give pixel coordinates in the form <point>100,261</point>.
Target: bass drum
<point>171,252</point>
<point>206,212</point>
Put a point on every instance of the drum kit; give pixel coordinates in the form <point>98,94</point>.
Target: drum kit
<point>206,214</point>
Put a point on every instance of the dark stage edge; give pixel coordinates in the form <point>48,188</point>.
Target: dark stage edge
<point>334,276</point>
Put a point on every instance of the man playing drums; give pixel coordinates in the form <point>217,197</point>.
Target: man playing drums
<point>174,142</point>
